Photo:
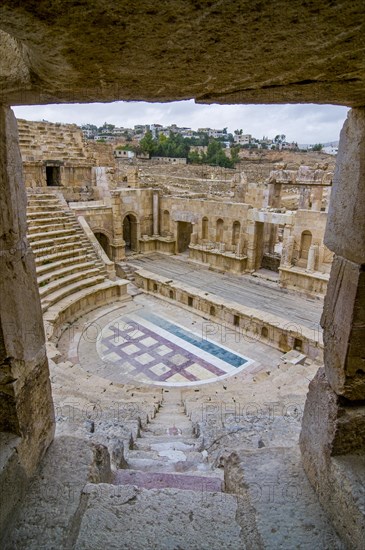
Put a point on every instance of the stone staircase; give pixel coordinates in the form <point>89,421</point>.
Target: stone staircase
<point>61,142</point>
<point>169,455</point>
<point>168,496</point>
<point>67,265</point>
<point>128,271</point>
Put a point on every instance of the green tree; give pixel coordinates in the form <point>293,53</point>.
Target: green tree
<point>216,155</point>
<point>317,147</point>
<point>194,157</point>
<point>147,144</point>
<point>235,154</point>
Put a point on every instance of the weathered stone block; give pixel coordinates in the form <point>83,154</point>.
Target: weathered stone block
<point>345,233</point>
<point>343,321</point>
<point>329,426</point>
<point>26,408</point>
<point>333,433</point>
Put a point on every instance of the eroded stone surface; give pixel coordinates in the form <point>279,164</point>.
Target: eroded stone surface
<point>332,432</point>
<point>345,231</point>
<point>50,511</point>
<point>158,518</point>
<point>343,320</point>
<point>276,495</point>
<point>223,52</point>
<point>25,393</point>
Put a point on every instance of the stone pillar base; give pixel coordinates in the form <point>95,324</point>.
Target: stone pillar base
<point>332,443</point>
<point>118,251</point>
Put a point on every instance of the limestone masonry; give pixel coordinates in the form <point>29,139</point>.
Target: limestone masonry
<point>181,346</point>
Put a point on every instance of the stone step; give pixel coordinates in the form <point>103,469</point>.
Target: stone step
<point>51,266</point>
<point>45,213</point>
<point>64,281</point>
<point>66,291</point>
<point>41,196</point>
<point>58,251</point>
<point>166,480</point>
<point>49,218</point>
<point>38,237</point>
<point>41,200</point>
<point>66,239</point>
<point>47,226</point>
<point>162,443</point>
<point>135,518</point>
<point>191,463</point>
<point>179,430</point>
<point>47,207</point>
<point>51,312</point>
<point>276,494</point>
<point>65,271</point>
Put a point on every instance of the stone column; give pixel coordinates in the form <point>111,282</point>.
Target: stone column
<point>312,257</point>
<point>251,246</point>
<point>272,235</point>
<point>274,198</point>
<point>194,235</point>
<point>304,198</point>
<point>334,416</point>
<point>288,246</point>
<point>26,408</point>
<point>317,194</point>
<point>155,208</point>
<point>287,254</point>
<point>118,244</point>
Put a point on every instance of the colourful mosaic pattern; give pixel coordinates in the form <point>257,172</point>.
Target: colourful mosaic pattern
<point>148,349</point>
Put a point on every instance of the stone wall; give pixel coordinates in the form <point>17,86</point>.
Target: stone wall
<point>54,155</point>
<point>26,408</point>
<point>247,322</point>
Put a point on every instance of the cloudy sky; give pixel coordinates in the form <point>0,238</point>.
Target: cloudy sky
<point>301,123</point>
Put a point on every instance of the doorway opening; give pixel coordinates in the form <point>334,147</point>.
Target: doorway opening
<point>184,231</point>
<point>53,176</point>
<point>130,233</point>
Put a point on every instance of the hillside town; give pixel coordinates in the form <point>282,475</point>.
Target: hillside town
<point>201,137</point>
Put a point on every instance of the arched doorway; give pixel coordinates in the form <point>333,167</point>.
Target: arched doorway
<point>103,240</point>
<point>130,233</point>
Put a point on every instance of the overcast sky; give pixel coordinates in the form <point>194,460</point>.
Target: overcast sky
<point>301,123</point>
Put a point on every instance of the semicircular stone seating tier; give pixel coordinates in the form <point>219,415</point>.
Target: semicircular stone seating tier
<point>69,272</point>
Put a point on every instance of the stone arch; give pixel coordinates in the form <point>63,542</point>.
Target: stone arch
<point>205,228</point>
<point>219,230</point>
<point>130,232</point>
<point>236,228</point>
<point>305,243</point>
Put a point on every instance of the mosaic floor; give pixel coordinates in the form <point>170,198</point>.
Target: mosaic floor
<point>148,348</point>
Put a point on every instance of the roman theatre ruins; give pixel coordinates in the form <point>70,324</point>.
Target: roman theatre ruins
<point>182,347</point>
